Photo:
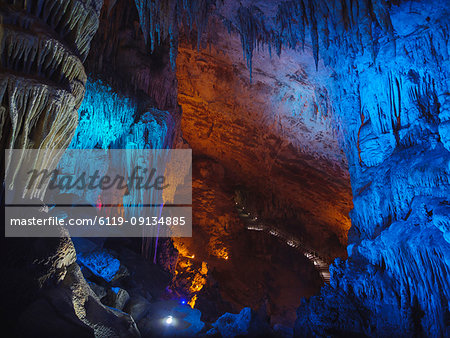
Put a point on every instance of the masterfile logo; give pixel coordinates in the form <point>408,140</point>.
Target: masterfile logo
<point>140,177</point>
<point>121,193</point>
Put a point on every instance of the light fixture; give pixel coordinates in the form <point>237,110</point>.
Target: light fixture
<point>169,320</point>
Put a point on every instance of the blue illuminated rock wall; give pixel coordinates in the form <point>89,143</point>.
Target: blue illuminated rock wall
<point>104,117</point>
<point>389,72</point>
<point>395,113</point>
<point>108,120</point>
<point>388,65</point>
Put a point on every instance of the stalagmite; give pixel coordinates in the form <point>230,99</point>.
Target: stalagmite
<point>353,112</point>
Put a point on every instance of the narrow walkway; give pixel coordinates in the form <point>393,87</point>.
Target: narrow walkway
<point>253,223</point>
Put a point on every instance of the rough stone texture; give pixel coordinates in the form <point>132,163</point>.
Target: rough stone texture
<point>100,291</point>
<point>121,58</point>
<point>387,83</point>
<point>102,264</point>
<point>167,255</point>
<point>42,84</point>
<point>72,309</point>
<point>275,136</point>
<point>245,323</point>
<point>42,45</point>
<point>236,260</point>
<point>90,311</point>
<point>384,66</point>
<point>137,307</point>
<point>117,298</point>
<point>395,108</point>
<point>42,77</point>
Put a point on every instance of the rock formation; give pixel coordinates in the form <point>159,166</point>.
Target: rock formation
<point>43,81</point>
<point>274,135</point>
<point>295,100</point>
<point>396,278</point>
<point>43,45</point>
<point>387,65</point>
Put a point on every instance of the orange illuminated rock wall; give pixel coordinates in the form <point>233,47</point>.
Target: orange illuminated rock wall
<point>273,135</point>
<point>215,225</point>
<point>224,267</point>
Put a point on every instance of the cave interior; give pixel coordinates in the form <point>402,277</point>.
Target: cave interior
<point>318,135</point>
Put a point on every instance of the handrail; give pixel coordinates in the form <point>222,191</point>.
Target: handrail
<point>319,263</point>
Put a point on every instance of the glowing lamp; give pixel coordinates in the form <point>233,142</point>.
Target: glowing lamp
<point>169,320</point>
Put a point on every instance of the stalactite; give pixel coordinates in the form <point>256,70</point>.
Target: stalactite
<point>109,120</point>
<point>42,76</point>
<point>75,21</point>
<point>105,117</point>
<point>162,20</point>
<point>310,10</point>
<point>251,27</point>
<point>398,161</point>
<point>351,22</point>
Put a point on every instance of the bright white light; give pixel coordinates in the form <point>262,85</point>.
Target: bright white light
<point>169,320</point>
<point>291,243</point>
